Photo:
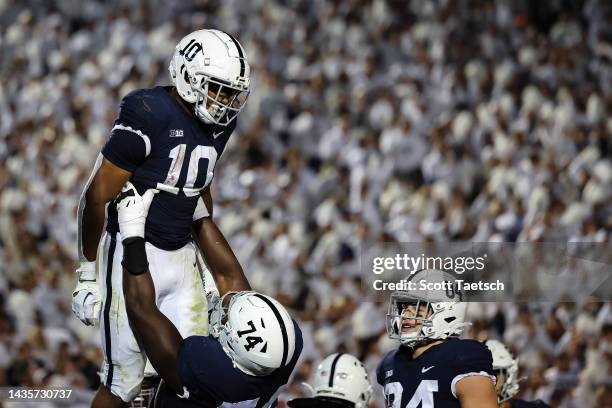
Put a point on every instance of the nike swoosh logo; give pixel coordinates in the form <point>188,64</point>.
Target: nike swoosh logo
<point>424,370</point>
<point>215,135</point>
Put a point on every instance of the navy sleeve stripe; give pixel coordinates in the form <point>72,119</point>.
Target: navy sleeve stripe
<point>144,137</point>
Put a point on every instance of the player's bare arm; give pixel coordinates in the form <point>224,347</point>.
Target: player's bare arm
<point>223,264</point>
<point>158,336</point>
<point>104,184</point>
<point>104,187</point>
<point>476,392</point>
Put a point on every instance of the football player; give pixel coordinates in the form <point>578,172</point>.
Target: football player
<point>341,381</point>
<point>251,353</point>
<point>505,367</point>
<point>168,138</point>
<point>432,367</point>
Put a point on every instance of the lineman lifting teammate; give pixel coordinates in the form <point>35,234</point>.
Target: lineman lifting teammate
<point>167,138</point>
<point>341,381</point>
<point>505,367</point>
<point>251,353</point>
<point>433,367</point>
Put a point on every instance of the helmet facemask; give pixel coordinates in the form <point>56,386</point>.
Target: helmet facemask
<point>510,385</point>
<point>416,317</point>
<point>409,319</point>
<point>218,314</point>
<point>506,365</point>
<point>218,102</point>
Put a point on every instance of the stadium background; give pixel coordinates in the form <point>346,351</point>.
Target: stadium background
<point>368,121</point>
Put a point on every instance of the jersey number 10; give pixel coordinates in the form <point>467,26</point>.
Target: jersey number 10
<point>178,157</point>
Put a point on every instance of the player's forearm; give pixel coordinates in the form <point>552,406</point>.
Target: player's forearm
<point>103,186</point>
<point>220,258</point>
<point>91,224</point>
<point>88,218</point>
<point>158,336</point>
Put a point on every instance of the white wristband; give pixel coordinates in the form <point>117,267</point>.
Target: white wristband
<point>87,271</point>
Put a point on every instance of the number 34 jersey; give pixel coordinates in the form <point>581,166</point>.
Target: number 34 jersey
<point>164,147</point>
<point>429,380</point>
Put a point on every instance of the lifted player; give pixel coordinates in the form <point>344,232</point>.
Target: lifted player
<point>341,381</point>
<point>505,367</point>
<point>432,368</point>
<point>251,353</point>
<point>167,138</point>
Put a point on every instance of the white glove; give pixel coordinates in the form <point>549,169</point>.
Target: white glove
<point>132,210</point>
<point>86,296</point>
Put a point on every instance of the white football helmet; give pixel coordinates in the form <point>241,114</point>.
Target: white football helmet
<point>210,70</point>
<point>255,331</point>
<point>504,361</point>
<point>443,311</point>
<point>343,376</point>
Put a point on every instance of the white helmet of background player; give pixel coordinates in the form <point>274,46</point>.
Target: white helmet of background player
<point>211,60</point>
<point>504,362</point>
<point>444,310</point>
<point>343,376</point>
<point>341,381</point>
<point>255,331</point>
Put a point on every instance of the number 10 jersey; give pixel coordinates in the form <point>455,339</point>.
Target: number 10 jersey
<point>168,149</point>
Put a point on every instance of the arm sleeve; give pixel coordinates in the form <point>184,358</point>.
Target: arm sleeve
<point>129,143</point>
<point>200,211</point>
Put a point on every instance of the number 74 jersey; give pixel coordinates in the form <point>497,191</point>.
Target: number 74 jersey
<point>430,380</point>
<point>164,147</point>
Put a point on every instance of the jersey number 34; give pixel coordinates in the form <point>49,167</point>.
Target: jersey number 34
<point>422,395</point>
<point>177,154</point>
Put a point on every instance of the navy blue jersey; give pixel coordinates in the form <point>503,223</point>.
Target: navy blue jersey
<point>528,404</point>
<point>164,147</point>
<point>429,380</point>
<point>210,377</point>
